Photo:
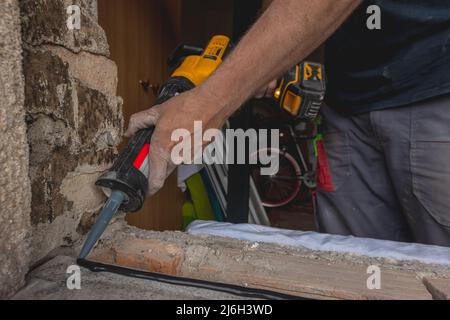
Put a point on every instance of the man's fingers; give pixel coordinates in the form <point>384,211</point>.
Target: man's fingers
<point>271,89</point>
<point>267,91</point>
<point>160,168</point>
<point>142,120</point>
<point>260,94</point>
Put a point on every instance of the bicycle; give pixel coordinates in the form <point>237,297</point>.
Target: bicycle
<point>296,177</point>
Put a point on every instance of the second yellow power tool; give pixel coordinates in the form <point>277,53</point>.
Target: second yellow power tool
<point>301,91</point>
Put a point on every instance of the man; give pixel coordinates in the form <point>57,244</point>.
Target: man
<point>387,119</point>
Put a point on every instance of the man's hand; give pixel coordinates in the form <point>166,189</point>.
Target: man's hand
<point>179,112</point>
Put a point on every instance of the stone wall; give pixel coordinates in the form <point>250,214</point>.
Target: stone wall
<point>73,116</point>
<point>14,183</point>
<point>60,123</point>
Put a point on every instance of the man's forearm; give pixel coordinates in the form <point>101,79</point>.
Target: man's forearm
<point>286,33</point>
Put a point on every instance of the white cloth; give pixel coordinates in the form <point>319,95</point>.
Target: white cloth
<point>325,242</point>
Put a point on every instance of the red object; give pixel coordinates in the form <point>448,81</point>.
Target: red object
<point>324,179</point>
<point>142,156</point>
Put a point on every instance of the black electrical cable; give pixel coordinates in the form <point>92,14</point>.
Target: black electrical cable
<point>179,281</point>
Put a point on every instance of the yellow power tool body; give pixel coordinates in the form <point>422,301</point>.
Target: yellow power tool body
<point>301,91</point>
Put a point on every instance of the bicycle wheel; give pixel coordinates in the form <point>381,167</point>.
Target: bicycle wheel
<point>279,189</point>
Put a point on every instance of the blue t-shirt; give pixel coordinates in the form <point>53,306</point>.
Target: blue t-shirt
<point>407,61</point>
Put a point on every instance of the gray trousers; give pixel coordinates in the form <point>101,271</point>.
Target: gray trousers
<point>390,174</point>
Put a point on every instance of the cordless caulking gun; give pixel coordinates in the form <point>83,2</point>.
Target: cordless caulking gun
<point>126,182</point>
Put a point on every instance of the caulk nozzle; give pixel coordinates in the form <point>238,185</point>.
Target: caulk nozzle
<point>109,209</point>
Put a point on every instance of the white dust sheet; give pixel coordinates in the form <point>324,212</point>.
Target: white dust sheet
<point>324,242</point>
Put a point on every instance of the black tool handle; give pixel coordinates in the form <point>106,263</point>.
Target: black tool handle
<point>130,171</point>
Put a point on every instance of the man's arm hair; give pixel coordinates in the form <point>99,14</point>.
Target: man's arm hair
<point>286,33</point>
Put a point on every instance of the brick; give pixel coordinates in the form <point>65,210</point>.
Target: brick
<point>149,255</point>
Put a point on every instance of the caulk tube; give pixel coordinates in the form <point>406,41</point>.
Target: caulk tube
<point>109,210</point>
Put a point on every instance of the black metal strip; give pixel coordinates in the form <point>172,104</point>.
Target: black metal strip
<point>179,281</point>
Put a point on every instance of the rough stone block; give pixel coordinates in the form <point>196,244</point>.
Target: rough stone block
<point>15,196</point>
<point>73,196</point>
<point>48,86</point>
<point>47,177</point>
<point>96,72</point>
<point>100,119</point>
<point>45,22</point>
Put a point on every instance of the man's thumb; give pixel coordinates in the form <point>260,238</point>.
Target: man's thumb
<point>142,120</point>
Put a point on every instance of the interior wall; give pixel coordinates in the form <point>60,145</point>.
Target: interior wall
<point>200,20</point>
<point>142,34</point>
<point>15,195</point>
